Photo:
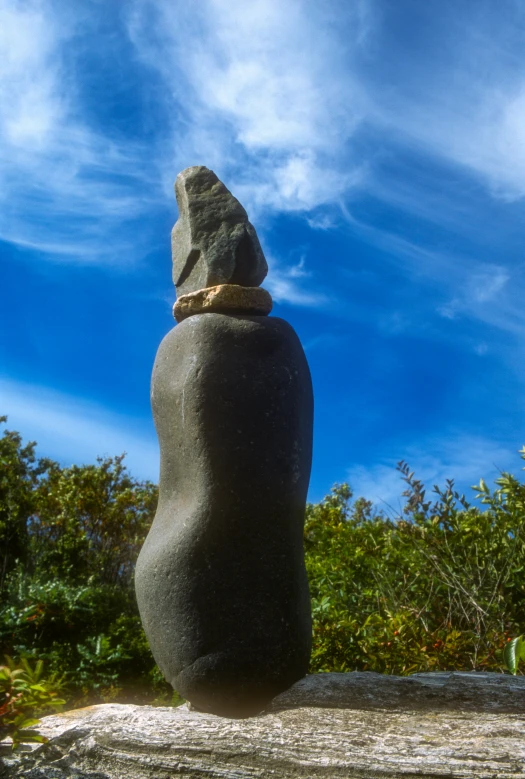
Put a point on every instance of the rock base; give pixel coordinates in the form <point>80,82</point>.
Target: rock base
<point>328,725</point>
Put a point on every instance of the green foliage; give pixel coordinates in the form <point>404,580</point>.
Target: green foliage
<point>440,587</point>
<point>100,663</point>
<point>68,595</point>
<point>19,476</point>
<point>25,694</point>
<point>513,653</point>
<point>91,521</point>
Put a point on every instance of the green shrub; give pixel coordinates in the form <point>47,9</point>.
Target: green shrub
<point>440,587</point>
<point>67,596</point>
<point>26,694</point>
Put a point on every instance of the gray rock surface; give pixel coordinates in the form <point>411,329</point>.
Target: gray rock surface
<point>221,582</point>
<point>459,726</point>
<point>440,691</point>
<point>213,241</point>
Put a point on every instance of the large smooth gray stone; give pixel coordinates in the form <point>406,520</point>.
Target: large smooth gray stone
<point>213,241</point>
<point>221,582</point>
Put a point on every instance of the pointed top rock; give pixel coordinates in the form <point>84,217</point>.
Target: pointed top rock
<point>213,242</point>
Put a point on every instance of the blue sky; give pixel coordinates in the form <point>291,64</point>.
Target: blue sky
<point>379,149</point>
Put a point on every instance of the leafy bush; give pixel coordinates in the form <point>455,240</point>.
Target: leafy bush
<point>20,474</point>
<point>25,694</point>
<point>440,587</point>
<point>67,596</point>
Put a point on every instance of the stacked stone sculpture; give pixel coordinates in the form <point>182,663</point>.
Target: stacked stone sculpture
<point>221,582</point>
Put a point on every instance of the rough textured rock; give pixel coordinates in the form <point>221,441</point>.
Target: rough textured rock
<point>459,726</point>
<point>212,241</point>
<point>221,581</point>
<point>454,691</point>
<point>225,298</point>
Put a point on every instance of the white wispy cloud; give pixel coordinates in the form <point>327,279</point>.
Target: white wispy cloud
<point>275,92</point>
<point>256,84</point>
<point>483,130</point>
<point>485,291</point>
<point>461,96</point>
<point>276,97</point>
<point>73,430</point>
<point>30,102</point>
<point>65,188</point>
<point>289,283</point>
<point>489,293</point>
<point>462,457</point>
<point>487,283</point>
